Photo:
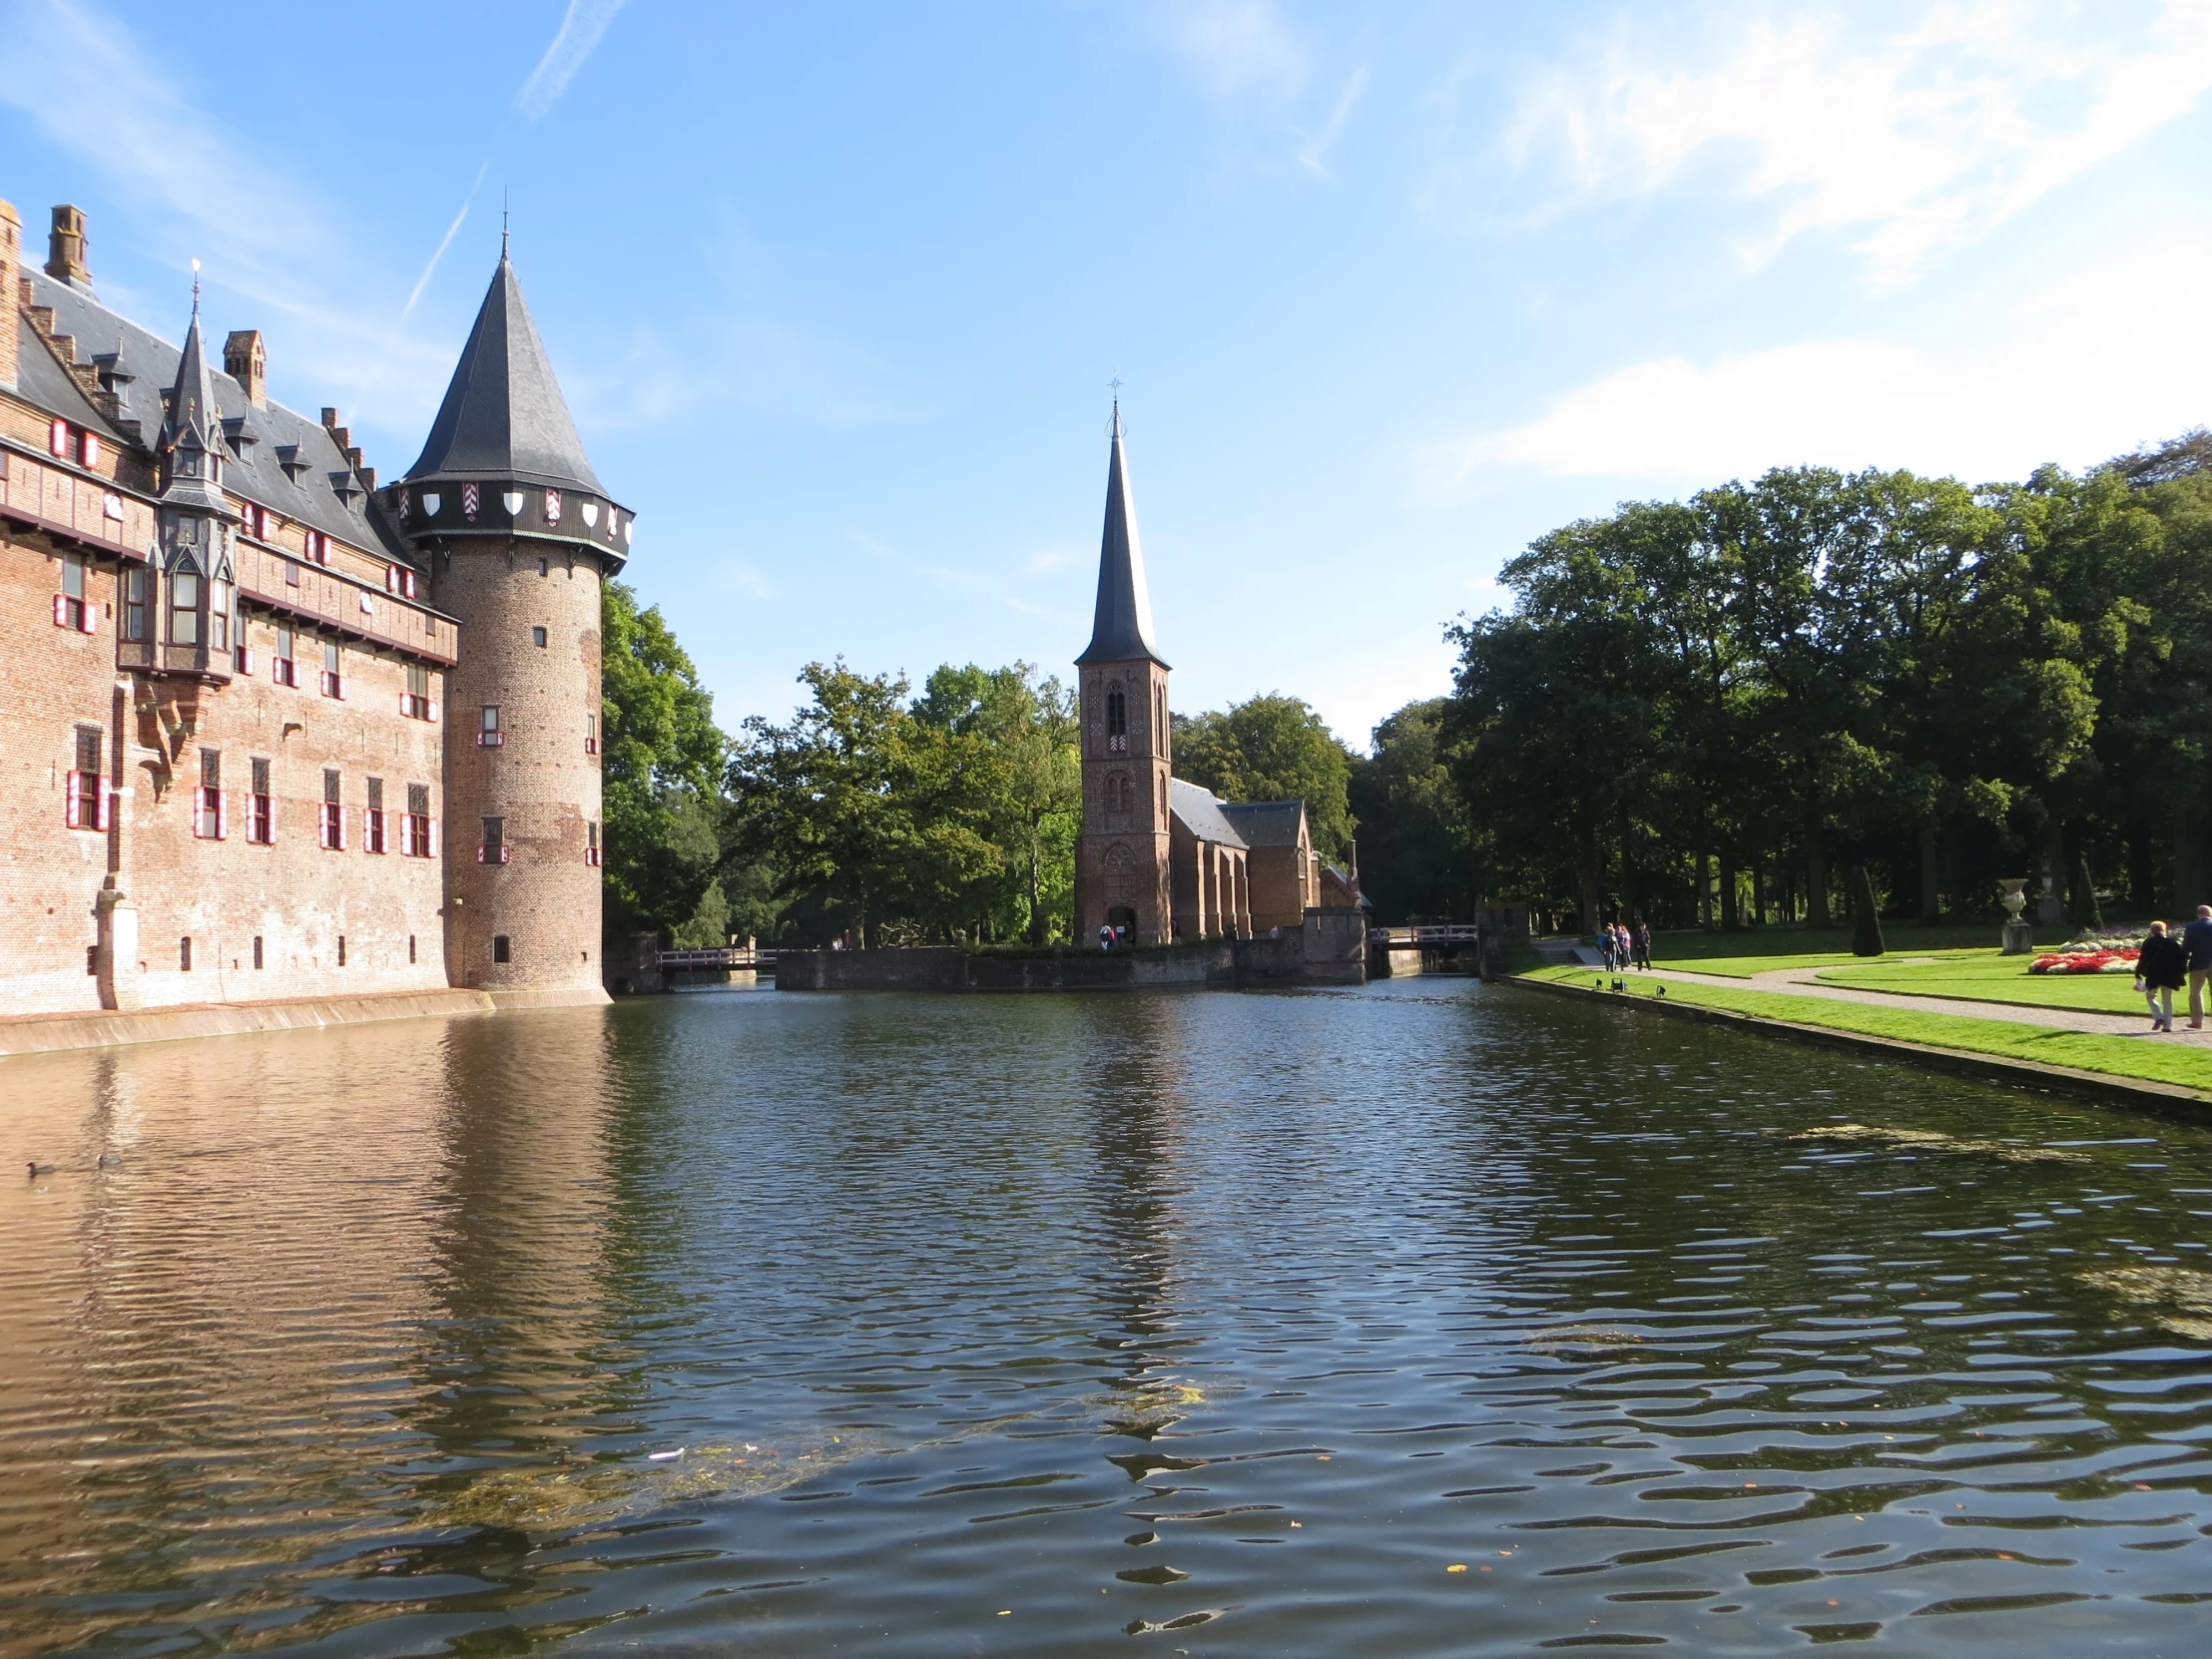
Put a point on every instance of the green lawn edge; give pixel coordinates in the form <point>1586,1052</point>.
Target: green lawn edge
<point>2146,1058</point>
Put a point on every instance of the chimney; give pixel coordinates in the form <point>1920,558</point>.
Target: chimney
<point>245,361</point>
<point>65,248</point>
<point>11,254</point>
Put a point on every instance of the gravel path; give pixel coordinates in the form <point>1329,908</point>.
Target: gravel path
<point>1806,982</point>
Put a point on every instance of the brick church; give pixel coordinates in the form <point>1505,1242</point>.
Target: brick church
<point>1159,857</point>
<point>281,733</point>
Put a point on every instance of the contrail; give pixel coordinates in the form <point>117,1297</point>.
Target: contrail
<point>452,231</point>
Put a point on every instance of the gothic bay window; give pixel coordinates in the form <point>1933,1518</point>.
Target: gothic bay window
<point>211,815</point>
<point>330,824</point>
<point>492,849</point>
<point>1117,721</point>
<point>184,603</point>
<point>418,832</point>
<point>85,804</point>
<point>282,667</point>
<point>417,700</point>
<point>261,808</point>
<point>133,604</point>
<point>70,606</point>
<point>333,683</point>
<point>594,854</point>
<point>488,733</point>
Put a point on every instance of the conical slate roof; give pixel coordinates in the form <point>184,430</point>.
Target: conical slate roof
<point>503,415</point>
<point>1121,627</point>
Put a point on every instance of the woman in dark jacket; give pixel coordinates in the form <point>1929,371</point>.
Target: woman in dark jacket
<point>2162,969</point>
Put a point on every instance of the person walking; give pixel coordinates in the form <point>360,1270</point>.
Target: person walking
<point>2159,968</point>
<point>2196,939</point>
<point>1610,946</point>
<point>1643,944</point>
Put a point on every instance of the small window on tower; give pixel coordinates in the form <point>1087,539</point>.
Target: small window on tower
<point>488,733</point>
<point>1117,721</point>
<point>500,950</point>
<point>537,637</point>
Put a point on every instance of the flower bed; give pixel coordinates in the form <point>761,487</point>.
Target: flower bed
<point>2077,959</point>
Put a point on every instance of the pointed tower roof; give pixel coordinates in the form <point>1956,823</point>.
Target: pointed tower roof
<point>503,416</point>
<point>193,424</point>
<point>1121,627</point>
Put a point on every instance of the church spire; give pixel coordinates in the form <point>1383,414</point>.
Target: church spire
<point>1121,627</point>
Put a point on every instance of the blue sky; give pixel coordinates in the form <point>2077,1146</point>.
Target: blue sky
<point>836,291</point>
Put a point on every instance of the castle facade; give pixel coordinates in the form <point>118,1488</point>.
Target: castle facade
<point>283,733</point>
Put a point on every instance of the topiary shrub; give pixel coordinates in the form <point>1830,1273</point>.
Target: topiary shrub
<point>1866,930</point>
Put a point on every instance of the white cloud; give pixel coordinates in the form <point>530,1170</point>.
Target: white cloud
<point>1237,49</point>
<point>1918,139</point>
<point>2051,381</point>
<point>575,41</point>
<point>267,238</point>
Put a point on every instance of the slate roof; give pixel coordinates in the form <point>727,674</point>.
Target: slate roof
<point>43,382</point>
<point>505,416</point>
<point>255,470</point>
<point>1121,626</point>
<point>1266,823</point>
<point>1198,812</point>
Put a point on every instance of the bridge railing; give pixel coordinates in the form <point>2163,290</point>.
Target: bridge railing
<point>1434,933</point>
<point>728,956</point>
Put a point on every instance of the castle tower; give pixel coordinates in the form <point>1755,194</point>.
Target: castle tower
<point>1121,859</point>
<point>504,511</point>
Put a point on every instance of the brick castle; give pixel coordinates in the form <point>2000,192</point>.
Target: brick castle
<point>283,733</point>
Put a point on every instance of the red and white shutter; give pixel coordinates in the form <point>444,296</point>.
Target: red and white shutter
<point>221,815</point>
<point>70,810</point>
<point>61,610</point>
<point>87,618</point>
<point>433,852</point>
<point>57,438</point>
<point>433,709</point>
<point>89,449</point>
<point>340,815</point>
<point>101,803</point>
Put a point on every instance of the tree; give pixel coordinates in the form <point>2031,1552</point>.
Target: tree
<point>661,763</point>
<point>1271,747</point>
<point>1028,729</point>
<point>1417,861</point>
<point>828,797</point>
<point>1866,930</point>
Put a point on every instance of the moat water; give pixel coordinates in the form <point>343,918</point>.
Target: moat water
<point>1420,1319</point>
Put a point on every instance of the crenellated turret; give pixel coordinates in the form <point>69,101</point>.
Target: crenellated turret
<point>504,509</point>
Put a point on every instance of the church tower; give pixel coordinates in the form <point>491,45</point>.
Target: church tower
<point>505,513</point>
<point>1121,859</point>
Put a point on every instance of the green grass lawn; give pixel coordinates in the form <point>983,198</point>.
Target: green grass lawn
<point>2120,1056</point>
<point>1987,976</point>
<point>1695,947</point>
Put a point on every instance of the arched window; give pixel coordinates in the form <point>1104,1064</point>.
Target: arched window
<point>184,601</point>
<point>1121,877</point>
<point>1117,721</point>
<point>1121,800</point>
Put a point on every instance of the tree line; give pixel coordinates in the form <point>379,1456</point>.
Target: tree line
<point>875,812</point>
<point>1732,708</point>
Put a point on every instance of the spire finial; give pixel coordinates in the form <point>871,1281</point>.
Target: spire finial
<point>195,287</point>
<point>502,222</point>
<point>1114,386</point>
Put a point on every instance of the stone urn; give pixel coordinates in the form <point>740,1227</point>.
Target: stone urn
<point>2019,935</point>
